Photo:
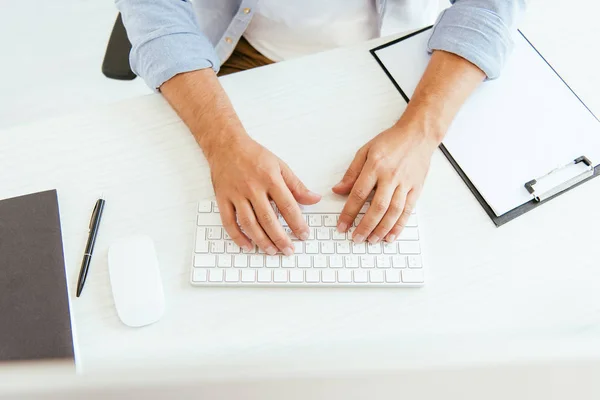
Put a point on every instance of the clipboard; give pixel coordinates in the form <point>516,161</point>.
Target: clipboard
<point>541,188</point>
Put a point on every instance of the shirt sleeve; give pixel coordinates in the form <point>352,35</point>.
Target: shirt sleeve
<point>480,31</point>
<point>166,39</point>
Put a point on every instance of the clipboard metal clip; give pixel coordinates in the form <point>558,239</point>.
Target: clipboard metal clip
<point>560,179</point>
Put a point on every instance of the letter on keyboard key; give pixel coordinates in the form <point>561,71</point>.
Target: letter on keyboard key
<point>264,275</point>
<point>224,260</point>
<point>367,262</point>
<point>329,220</point>
<point>323,234</point>
<point>280,276</point>
<point>201,260</point>
<point>257,261</point>
<point>313,276</point>
<point>248,275</point>
<point>338,235</point>
<point>320,261</point>
<point>288,262</point>
<point>374,248</point>
<point>390,248</point>
<point>296,276</point>
<point>414,262</point>
<point>231,247</point>
<point>351,261</point>
<point>409,234</point>
<point>240,261</point>
<point>311,247</point>
<point>383,261</point>
<point>232,275</point>
<point>409,247</point>
<point>412,276</point>
<point>344,276</point>
<point>359,248</point>
<point>304,261</point>
<point>399,261</point>
<point>328,276</point>
<point>215,275</point>
<point>298,247</point>
<point>343,247</point>
<point>201,246</point>
<point>205,206</point>
<point>217,246</point>
<point>336,262</point>
<point>392,276</point>
<point>199,275</point>
<point>314,220</point>
<point>327,247</point>
<point>214,232</point>
<point>272,261</point>
<point>360,276</point>
<point>376,276</point>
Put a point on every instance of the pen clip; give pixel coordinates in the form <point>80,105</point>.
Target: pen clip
<point>94,214</point>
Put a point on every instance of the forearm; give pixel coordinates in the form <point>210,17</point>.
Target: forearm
<point>446,84</point>
<point>202,104</point>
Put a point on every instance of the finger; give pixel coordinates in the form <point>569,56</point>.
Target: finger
<point>227,212</point>
<point>377,209</point>
<point>409,206</point>
<point>358,195</point>
<point>297,188</point>
<point>391,216</point>
<point>249,223</point>
<point>270,224</point>
<point>352,173</point>
<point>287,206</point>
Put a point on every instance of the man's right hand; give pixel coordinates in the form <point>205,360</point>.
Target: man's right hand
<point>245,175</point>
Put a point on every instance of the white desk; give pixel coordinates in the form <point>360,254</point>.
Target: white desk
<point>528,289</point>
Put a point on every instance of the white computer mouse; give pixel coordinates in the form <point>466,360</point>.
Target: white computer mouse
<point>135,280</point>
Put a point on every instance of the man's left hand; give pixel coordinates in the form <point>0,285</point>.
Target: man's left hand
<point>394,164</point>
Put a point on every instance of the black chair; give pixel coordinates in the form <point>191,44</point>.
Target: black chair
<point>116,59</point>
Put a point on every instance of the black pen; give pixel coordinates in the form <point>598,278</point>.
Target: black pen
<point>89,247</point>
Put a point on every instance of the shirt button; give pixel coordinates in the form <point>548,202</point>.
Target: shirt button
<point>246,11</point>
<point>228,39</point>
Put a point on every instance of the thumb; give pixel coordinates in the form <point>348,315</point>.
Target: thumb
<point>299,191</point>
<point>351,175</point>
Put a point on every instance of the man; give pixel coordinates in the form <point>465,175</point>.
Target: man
<point>179,50</point>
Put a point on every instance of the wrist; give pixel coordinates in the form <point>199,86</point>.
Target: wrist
<point>426,126</point>
<point>217,143</point>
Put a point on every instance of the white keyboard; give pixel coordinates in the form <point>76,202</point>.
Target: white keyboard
<point>326,258</point>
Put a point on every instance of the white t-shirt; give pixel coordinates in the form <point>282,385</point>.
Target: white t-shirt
<point>284,29</point>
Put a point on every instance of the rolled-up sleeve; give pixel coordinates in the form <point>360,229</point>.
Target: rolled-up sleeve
<point>166,39</point>
<point>478,30</point>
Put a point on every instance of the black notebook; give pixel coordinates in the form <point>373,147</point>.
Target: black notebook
<point>35,321</point>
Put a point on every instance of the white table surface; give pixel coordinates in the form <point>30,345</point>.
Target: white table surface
<point>529,289</point>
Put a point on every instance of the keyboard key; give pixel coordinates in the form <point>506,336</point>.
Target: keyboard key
<point>390,248</point>
<point>280,276</point>
<point>314,220</point>
<point>272,261</point>
<point>257,261</point>
<point>232,275</point>
<point>374,248</point>
<point>392,276</point>
<point>248,275</point>
<point>409,234</point>
<point>344,276</point>
<point>311,247</point>
<point>201,246</point>
<point>214,232</point>
<point>338,235</point>
<point>311,233</point>
<point>215,207</point>
<point>350,233</point>
<point>409,247</point>
<point>323,234</point>
<point>360,276</point>
<point>359,248</point>
<point>288,262</point>
<point>367,261</point>
<point>399,261</point>
<point>336,262</point>
<point>224,260</point>
<point>327,247</point>
<point>298,247</point>
<point>209,219</point>
<point>215,275</point>
<point>304,261</point>
<point>313,276</point>
<point>264,275</point>
<point>200,233</point>
<point>251,251</point>
<point>351,261</point>
<point>217,246</point>
<point>320,261</point>
<point>199,275</point>
<point>330,220</point>
<point>231,247</point>
<point>358,218</point>
<point>296,276</point>
<point>383,261</point>
<point>205,206</point>
<point>376,276</point>
<point>343,247</point>
<point>226,235</point>
<point>328,276</point>
<point>290,234</point>
<point>412,221</point>
<point>414,262</point>
<point>201,260</point>
<point>240,261</point>
<point>412,276</point>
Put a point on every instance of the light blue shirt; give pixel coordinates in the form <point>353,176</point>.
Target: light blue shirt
<point>169,37</point>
